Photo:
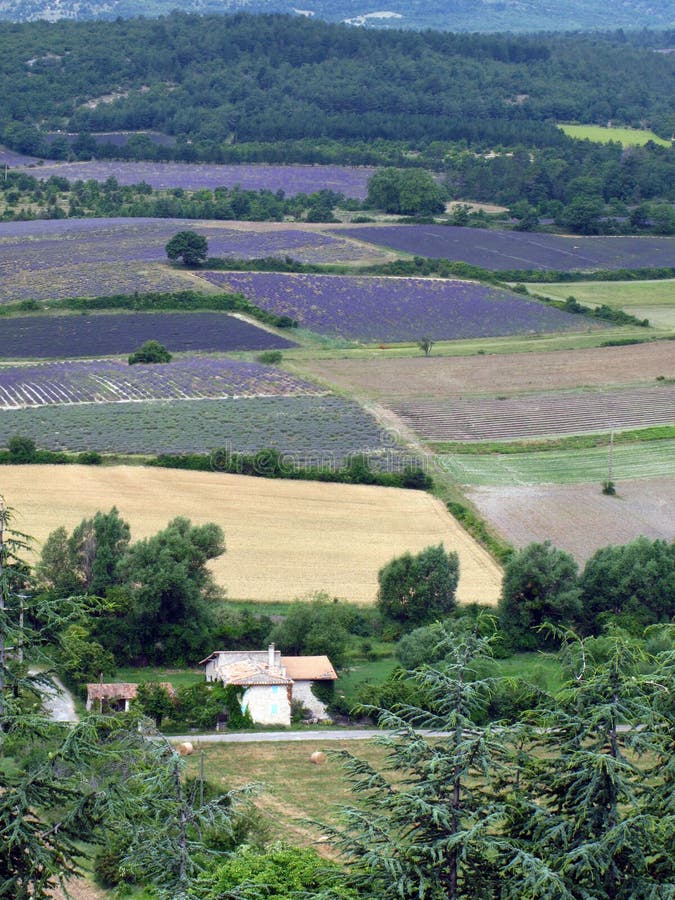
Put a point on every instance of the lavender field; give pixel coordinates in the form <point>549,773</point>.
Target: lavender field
<point>54,337</point>
<point>395,309</point>
<point>505,250</point>
<point>112,381</point>
<point>323,429</point>
<point>51,259</point>
<point>10,158</point>
<point>352,181</point>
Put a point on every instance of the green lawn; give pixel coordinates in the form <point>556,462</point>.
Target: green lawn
<point>643,460</point>
<point>603,135</point>
<point>653,300</point>
<point>177,677</point>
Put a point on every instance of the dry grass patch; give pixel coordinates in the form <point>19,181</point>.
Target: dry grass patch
<point>284,539</point>
<point>292,789</point>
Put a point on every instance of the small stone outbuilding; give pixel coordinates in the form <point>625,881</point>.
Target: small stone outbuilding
<point>116,697</point>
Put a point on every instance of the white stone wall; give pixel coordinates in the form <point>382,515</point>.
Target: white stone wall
<point>268,704</point>
<point>210,670</point>
<point>302,690</point>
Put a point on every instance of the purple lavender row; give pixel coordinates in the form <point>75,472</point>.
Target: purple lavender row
<point>513,250</point>
<point>395,309</point>
<point>71,336</point>
<point>352,181</point>
<point>109,381</point>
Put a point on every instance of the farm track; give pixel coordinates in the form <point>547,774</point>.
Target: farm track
<point>538,415</point>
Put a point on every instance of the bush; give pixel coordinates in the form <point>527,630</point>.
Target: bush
<point>89,458</point>
<point>150,352</point>
<point>270,357</point>
<point>21,449</point>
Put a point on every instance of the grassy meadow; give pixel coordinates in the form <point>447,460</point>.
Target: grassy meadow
<point>603,135</point>
<point>653,300</point>
<point>638,460</point>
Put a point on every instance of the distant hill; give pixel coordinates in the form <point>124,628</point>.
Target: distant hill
<point>449,15</point>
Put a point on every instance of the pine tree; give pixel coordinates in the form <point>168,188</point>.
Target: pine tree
<point>429,824</point>
<point>589,813</point>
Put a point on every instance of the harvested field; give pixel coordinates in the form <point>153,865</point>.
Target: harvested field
<point>284,538</point>
<point>538,415</point>
<point>514,250</point>
<point>648,459</point>
<point>580,518</point>
<point>293,790</point>
<point>416,377</point>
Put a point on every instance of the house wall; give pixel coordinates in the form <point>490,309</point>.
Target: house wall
<point>210,670</point>
<point>302,690</point>
<point>268,704</point>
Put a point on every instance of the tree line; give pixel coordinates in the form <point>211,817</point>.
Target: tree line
<point>210,81</point>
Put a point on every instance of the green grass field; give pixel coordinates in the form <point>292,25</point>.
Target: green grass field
<point>603,135</point>
<point>653,300</point>
<point>642,460</point>
<point>177,677</point>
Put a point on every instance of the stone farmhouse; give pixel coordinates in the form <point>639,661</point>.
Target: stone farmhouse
<point>271,681</point>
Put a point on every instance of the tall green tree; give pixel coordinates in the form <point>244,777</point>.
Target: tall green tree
<point>634,584</point>
<point>414,589</point>
<point>590,784</point>
<point>540,585</point>
<point>87,560</point>
<point>428,825</point>
<point>189,246</point>
<point>170,590</point>
<point>63,785</point>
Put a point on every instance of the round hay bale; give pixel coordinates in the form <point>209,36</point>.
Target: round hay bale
<point>185,749</point>
<point>318,758</point>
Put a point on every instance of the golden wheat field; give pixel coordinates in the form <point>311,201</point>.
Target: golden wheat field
<point>285,539</point>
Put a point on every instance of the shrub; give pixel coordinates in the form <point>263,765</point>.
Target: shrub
<point>270,357</point>
<point>21,449</point>
<point>150,352</point>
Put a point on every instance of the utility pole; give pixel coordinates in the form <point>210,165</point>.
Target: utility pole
<point>610,467</point>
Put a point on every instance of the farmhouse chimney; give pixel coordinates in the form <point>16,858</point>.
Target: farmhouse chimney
<point>270,658</point>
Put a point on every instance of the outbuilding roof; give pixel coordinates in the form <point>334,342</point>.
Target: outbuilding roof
<point>308,668</point>
<point>122,690</point>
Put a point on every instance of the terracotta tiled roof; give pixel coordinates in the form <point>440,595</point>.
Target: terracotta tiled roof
<point>246,673</point>
<point>308,668</point>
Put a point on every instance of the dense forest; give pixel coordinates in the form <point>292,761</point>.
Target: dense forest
<point>217,81</point>
<point>458,15</point>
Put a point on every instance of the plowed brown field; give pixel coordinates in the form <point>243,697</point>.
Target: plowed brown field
<point>284,539</point>
<point>579,518</point>
<point>417,377</point>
